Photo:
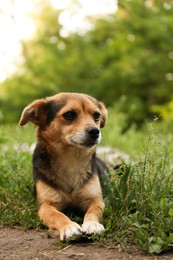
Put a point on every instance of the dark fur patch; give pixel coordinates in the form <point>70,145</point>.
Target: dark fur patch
<point>41,163</point>
<point>41,158</point>
<point>52,109</point>
<point>42,166</point>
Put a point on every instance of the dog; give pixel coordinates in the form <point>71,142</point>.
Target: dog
<point>66,169</point>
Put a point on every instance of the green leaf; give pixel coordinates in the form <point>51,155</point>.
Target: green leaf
<point>154,248</point>
<point>170,212</point>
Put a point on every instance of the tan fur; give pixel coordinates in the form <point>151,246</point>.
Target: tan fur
<point>65,142</point>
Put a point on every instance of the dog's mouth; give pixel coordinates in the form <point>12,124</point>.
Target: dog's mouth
<point>85,144</point>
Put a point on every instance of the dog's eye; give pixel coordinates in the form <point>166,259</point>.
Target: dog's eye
<point>96,116</point>
<point>70,115</point>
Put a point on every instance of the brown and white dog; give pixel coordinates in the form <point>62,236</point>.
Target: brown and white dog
<point>66,169</point>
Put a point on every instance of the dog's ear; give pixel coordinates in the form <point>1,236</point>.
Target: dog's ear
<point>34,112</point>
<point>104,114</point>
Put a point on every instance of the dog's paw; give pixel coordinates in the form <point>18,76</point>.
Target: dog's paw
<point>70,230</point>
<point>92,227</point>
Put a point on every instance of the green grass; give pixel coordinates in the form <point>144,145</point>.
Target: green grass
<point>17,202</point>
<point>140,204</point>
<point>139,197</point>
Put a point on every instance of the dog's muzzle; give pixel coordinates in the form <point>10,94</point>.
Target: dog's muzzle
<point>85,138</point>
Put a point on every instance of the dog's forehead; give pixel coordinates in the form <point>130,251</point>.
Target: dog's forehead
<point>76,101</point>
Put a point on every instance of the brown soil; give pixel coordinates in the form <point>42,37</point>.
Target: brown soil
<point>20,244</point>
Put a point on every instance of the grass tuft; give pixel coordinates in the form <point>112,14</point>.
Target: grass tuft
<point>139,201</point>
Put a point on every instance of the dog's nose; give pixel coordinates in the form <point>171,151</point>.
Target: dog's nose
<point>93,132</point>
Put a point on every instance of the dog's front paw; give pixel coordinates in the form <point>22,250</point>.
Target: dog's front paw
<point>92,227</point>
<point>70,230</point>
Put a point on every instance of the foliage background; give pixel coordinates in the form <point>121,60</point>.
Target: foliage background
<point>126,60</point>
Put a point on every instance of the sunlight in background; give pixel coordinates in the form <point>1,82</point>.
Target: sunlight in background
<point>16,24</point>
<point>75,15</point>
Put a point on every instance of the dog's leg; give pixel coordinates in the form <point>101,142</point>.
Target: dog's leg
<point>57,221</point>
<point>92,217</point>
<point>90,199</point>
<point>49,201</point>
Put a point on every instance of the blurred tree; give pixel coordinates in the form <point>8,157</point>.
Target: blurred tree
<point>125,60</point>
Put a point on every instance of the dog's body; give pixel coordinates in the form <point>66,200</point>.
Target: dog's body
<point>66,169</point>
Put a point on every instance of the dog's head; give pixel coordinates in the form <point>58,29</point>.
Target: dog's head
<point>70,118</point>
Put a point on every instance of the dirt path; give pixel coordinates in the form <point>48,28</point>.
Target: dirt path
<point>19,244</point>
